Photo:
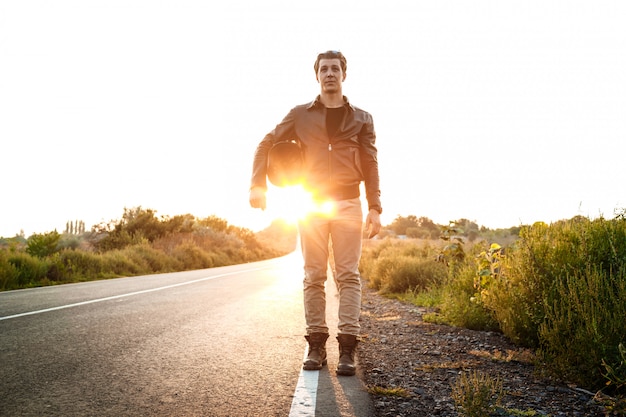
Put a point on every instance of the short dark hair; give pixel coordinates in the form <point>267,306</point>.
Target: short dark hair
<point>331,55</point>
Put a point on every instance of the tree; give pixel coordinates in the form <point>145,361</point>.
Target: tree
<point>411,225</point>
<point>136,225</point>
<point>42,245</point>
<point>427,225</point>
<point>142,223</point>
<point>76,227</point>
<point>400,224</point>
<point>466,226</point>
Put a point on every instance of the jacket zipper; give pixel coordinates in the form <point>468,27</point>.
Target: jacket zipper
<point>330,163</point>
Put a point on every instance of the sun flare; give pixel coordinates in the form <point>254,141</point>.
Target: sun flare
<point>293,204</point>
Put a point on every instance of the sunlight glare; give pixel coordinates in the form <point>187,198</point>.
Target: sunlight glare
<point>293,204</point>
<point>290,204</point>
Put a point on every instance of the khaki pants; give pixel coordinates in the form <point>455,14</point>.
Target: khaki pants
<point>343,229</point>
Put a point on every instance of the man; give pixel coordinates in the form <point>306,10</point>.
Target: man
<point>339,152</point>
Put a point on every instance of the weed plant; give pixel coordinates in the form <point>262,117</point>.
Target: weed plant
<point>477,394</point>
<point>389,392</point>
<point>616,373</point>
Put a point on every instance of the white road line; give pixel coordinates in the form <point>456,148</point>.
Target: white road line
<point>113,297</point>
<point>303,404</point>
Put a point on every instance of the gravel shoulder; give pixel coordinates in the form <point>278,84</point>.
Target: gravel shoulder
<point>400,350</point>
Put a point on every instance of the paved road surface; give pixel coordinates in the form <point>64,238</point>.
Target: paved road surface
<point>215,342</point>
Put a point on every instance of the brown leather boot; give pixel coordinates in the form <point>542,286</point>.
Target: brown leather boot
<point>316,357</point>
<point>347,349</point>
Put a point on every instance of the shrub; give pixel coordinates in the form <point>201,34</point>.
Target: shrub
<point>562,288</point>
<point>76,264</point>
<point>140,243</point>
<point>399,266</point>
<point>151,260</point>
<point>516,298</point>
<point>407,273</point>
<point>541,259</point>
<point>42,245</point>
<point>366,268</point>
<point>30,269</point>
<point>585,325</point>
<point>378,271</point>
<point>69,242</point>
<point>8,273</point>
<point>115,240</point>
<point>117,264</point>
<point>192,257</point>
<point>460,306</point>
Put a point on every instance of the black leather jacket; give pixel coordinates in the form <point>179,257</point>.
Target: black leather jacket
<point>334,166</point>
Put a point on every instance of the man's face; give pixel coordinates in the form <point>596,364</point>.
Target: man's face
<point>330,76</point>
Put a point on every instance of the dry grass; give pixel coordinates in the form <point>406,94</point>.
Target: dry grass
<point>389,392</point>
<point>520,355</point>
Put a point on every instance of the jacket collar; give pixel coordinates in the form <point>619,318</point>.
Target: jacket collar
<point>317,102</point>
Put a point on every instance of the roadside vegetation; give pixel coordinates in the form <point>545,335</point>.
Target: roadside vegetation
<point>559,289</point>
<point>137,244</point>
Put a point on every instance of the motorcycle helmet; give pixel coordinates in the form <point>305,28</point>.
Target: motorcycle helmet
<point>285,163</point>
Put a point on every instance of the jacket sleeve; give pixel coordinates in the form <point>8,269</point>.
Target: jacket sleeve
<point>369,164</point>
<point>283,131</point>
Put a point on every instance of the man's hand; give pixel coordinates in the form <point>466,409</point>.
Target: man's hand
<point>372,223</point>
<point>257,198</point>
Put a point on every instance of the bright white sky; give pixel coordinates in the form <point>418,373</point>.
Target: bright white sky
<point>501,112</point>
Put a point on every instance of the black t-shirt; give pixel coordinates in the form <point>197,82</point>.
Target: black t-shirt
<point>334,117</point>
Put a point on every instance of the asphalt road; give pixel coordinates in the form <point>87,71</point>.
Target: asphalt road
<point>214,342</point>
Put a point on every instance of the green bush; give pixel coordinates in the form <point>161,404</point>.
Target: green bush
<point>378,271</point>
<point>30,269</point>
<point>366,268</point>
<point>117,264</point>
<point>42,245</point>
<point>460,306</point>
<point>79,265</point>
<point>8,273</point>
<point>559,287</point>
<point>585,325</point>
<point>406,273</point>
<point>153,259</point>
<point>69,242</point>
<point>562,289</point>
<point>192,257</point>
<point>136,256</point>
<point>541,259</point>
<point>400,266</point>
<point>378,259</point>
